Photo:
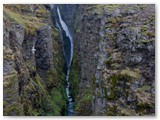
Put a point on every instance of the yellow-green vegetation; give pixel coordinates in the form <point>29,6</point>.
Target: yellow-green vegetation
<point>111,93</point>
<point>29,22</point>
<point>95,84</point>
<point>75,76</point>
<point>58,102</point>
<point>133,74</point>
<point>18,8</point>
<point>111,110</point>
<point>114,80</point>
<point>95,8</point>
<point>10,80</point>
<point>144,28</point>
<point>108,62</point>
<point>144,88</point>
<point>42,13</point>
<point>143,6</point>
<point>52,79</point>
<point>127,112</point>
<point>115,60</point>
<point>8,54</point>
<point>145,41</point>
<point>14,109</point>
<point>75,72</point>
<point>150,34</point>
<point>147,32</point>
<point>34,97</point>
<point>145,101</point>
<point>99,8</point>
<point>84,104</point>
<point>55,87</point>
<point>32,94</point>
<point>112,7</point>
<point>11,90</point>
<point>40,83</point>
<point>55,34</point>
<point>115,22</point>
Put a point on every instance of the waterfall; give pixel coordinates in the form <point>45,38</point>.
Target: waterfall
<point>63,27</point>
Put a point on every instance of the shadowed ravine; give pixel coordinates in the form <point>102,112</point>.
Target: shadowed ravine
<point>68,53</point>
<point>79,60</point>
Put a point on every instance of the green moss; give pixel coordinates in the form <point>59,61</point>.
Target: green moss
<point>108,62</point>
<point>111,110</point>
<point>134,74</point>
<point>37,102</point>
<point>4,104</point>
<point>76,24</point>
<point>142,6</point>
<point>115,22</point>
<point>30,66</point>
<point>40,83</point>
<point>78,31</point>
<point>75,73</point>
<point>142,106</point>
<point>150,34</point>
<point>112,7</point>
<point>8,54</point>
<point>114,80</point>
<point>10,79</point>
<point>57,102</point>
<point>13,110</point>
<point>55,34</point>
<point>145,41</point>
<point>111,93</point>
<point>52,80</point>
<point>30,23</point>
<point>112,63</point>
<point>111,36</point>
<point>95,8</point>
<point>126,112</point>
<point>42,13</point>
<point>152,18</point>
<point>144,88</point>
<point>84,105</point>
<point>133,28</point>
<point>95,84</point>
<point>18,8</point>
<point>144,28</point>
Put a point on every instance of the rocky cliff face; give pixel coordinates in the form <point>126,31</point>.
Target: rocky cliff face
<point>113,68</point>
<point>116,44</point>
<point>33,80</point>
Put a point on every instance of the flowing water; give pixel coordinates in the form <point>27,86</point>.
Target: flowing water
<point>68,51</point>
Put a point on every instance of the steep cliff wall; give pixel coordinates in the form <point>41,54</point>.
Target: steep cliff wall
<point>34,81</point>
<point>113,67</point>
<point>116,44</point>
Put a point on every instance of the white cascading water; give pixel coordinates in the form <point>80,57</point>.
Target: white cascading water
<point>65,28</point>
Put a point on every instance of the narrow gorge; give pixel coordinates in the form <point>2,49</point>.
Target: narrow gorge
<point>79,60</point>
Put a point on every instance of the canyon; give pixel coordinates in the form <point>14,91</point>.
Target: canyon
<point>79,60</point>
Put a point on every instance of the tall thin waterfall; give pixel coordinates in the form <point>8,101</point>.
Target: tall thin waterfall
<point>63,27</point>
